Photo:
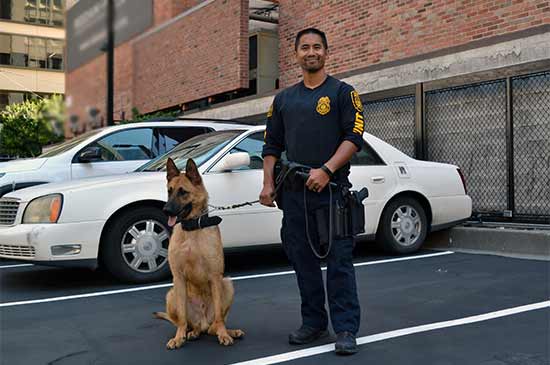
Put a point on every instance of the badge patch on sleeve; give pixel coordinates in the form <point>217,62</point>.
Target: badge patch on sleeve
<point>359,125</point>
<point>323,105</point>
<point>356,100</point>
<point>270,111</point>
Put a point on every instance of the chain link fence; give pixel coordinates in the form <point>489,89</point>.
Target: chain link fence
<point>393,121</point>
<point>468,126</point>
<point>531,120</point>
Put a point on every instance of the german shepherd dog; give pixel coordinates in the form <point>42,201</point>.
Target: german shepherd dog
<point>201,297</point>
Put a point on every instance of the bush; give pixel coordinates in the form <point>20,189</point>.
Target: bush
<point>27,127</point>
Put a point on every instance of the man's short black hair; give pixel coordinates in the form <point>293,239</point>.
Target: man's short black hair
<point>310,31</point>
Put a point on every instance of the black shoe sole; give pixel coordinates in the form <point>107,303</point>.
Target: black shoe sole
<point>295,341</point>
<point>346,351</point>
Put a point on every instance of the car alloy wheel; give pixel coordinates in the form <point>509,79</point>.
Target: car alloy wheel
<point>403,226</point>
<point>144,246</point>
<point>406,225</point>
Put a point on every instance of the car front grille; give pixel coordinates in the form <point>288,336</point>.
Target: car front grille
<point>17,251</point>
<point>8,211</point>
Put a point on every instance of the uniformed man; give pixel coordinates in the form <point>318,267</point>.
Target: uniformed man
<point>318,122</point>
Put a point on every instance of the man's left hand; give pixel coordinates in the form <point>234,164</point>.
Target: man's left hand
<point>317,180</point>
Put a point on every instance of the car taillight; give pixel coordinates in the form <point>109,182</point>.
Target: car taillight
<point>463,180</point>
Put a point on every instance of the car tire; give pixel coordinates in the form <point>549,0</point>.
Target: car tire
<point>135,246</point>
<point>403,226</point>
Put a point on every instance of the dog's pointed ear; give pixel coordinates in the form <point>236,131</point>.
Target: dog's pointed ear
<point>171,169</point>
<point>192,172</point>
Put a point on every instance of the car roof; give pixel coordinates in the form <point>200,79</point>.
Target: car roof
<point>214,124</point>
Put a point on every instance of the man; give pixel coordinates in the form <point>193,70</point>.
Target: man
<point>319,123</point>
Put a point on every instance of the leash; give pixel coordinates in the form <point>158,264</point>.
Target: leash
<point>278,184</point>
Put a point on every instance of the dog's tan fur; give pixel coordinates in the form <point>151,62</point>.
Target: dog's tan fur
<point>201,297</point>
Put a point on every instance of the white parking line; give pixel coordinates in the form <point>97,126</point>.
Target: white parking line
<point>18,265</point>
<point>245,277</point>
<point>275,359</point>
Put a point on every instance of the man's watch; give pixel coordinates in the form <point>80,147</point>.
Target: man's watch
<point>327,170</point>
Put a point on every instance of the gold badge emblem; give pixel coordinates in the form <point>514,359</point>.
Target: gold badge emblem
<point>356,100</point>
<point>323,105</point>
<point>270,111</point>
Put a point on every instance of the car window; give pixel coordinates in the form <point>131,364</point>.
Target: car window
<point>252,145</point>
<point>127,145</point>
<point>200,148</point>
<point>366,157</point>
<point>67,145</point>
<point>170,137</point>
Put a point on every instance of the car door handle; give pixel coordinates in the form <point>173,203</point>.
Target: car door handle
<point>378,179</point>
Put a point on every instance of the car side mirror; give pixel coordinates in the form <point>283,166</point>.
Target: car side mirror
<point>232,161</point>
<point>90,154</point>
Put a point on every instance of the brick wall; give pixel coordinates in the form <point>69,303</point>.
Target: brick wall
<point>205,53</point>
<point>87,85</point>
<point>167,9</point>
<point>363,33</point>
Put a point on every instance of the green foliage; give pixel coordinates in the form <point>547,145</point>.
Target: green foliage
<point>137,117</point>
<point>28,126</point>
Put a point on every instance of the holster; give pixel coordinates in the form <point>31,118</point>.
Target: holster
<point>348,215</point>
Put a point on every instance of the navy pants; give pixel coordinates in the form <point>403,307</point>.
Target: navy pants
<point>341,286</point>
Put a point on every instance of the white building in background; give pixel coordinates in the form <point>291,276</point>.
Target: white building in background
<point>32,40</point>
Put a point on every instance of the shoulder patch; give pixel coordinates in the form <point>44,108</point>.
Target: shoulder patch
<point>323,105</point>
<point>356,101</point>
<point>270,111</point>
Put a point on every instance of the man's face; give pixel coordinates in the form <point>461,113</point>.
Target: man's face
<point>311,54</point>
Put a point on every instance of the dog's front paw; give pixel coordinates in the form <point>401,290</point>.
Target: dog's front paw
<point>175,343</point>
<point>237,334</point>
<point>225,339</point>
<point>193,335</point>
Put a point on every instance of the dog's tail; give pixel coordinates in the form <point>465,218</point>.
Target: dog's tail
<point>162,315</point>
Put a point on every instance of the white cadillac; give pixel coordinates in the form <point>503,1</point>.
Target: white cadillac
<point>118,220</point>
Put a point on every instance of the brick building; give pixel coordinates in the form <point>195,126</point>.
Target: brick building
<point>459,81</point>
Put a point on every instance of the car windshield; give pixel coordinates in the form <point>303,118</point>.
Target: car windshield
<point>200,148</point>
<point>65,146</point>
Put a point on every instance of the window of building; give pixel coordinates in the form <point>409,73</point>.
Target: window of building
<point>42,12</point>
<point>14,97</point>
<point>33,52</point>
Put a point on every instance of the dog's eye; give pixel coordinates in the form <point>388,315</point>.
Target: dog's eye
<point>169,191</point>
<point>182,192</point>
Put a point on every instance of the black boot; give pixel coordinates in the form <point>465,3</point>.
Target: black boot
<point>305,334</point>
<point>345,344</point>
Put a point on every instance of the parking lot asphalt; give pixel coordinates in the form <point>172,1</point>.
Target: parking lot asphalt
<point>430,308</point>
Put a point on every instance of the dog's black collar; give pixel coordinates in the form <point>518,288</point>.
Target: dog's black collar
<point>198,223</point>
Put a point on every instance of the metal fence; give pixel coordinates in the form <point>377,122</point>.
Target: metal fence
<point>393,121</point>
<point>466,126</point>
<point>497,132</point>
<point>531,144</point>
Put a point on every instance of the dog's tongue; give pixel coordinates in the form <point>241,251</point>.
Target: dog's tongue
<point>171,221</point>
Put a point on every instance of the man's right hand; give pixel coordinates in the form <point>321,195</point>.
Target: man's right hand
<point>267,195</point>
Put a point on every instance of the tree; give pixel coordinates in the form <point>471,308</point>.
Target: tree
<point>28,126</point>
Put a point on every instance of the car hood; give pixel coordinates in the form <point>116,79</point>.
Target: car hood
<point>22,165</point>
<point>131,180</point>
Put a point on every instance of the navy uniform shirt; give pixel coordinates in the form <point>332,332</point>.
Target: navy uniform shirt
<point>310,124</point>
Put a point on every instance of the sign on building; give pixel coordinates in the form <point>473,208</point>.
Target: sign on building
<point>87,27</point>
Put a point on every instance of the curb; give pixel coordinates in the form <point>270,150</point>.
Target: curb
<point>528,244</point>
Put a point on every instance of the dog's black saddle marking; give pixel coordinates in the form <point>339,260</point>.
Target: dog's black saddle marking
<point>198,223</point>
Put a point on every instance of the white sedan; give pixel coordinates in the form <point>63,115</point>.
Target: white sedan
<point>106,151</point>
<point>118,220</point>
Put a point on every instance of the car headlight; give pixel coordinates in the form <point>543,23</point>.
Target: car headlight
<point>45,209</point>
<point>2,174</point>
